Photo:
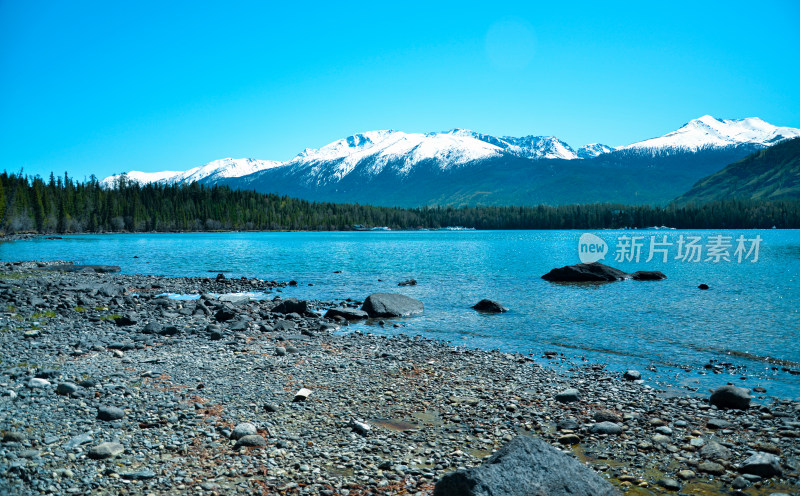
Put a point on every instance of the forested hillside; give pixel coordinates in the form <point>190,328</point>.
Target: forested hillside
<point>61,205</point>
<point>769,174</point>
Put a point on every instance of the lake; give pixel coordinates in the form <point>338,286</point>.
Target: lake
<point>749,318</point>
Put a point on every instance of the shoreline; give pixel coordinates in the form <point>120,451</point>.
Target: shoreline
<point>184,382</point>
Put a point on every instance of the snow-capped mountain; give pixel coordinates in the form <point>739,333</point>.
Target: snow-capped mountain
<point>218,169</point>
<point>463,167</point>
<point>593,150</point>
<point>709,132</point>
<point>403,151</point>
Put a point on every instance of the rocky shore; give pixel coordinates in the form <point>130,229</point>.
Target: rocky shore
<point>107,387</point>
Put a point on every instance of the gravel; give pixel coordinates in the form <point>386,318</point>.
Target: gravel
<point>208,406</point>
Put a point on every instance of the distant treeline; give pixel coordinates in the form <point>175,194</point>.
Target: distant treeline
<point>62,205</point>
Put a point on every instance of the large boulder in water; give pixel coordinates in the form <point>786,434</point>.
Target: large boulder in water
<point>592,272</point>
<point>392,305</point>
<point>525,466</point>
<point>489,306</point>
<point>648,275</point>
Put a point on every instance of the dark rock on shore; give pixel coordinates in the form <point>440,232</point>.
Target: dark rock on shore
<point>346,313</point>
<point>763,465</point>
<point>489,306</point>
<point>568,396</point>
<point>593,272</point>
<point>632,375</point>
<point>392,305</point>
<point>109,413</point>
<point>731,397</point>
<point>291,305</point>
<point>648,275</point>
<point>525,466</point>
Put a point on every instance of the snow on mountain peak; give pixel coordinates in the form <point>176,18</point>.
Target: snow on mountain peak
<point>226,167</point>
<point>708,131</point>
<point>373,151</point>
<point>593,150</point>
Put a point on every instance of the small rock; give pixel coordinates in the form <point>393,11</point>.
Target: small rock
<point>664,430</point>
<point>14,437</point>
<point>140,475</point>
<point>106,450</point>
<point>711,468</point>
<point>739,483</point>
<point>569,439</point>
<point>687,474</point>
<point>37,383</point>
<point>764,465</point>
<point>568,396</point>
<point>360,427</point>
<point>224,315</point>
<point>703,286</point>
<point>66,388</point>
<point>152,328</point>
<point>346,313</point>
<point>715,451</point>
<point>244,429</point>
<point>718,423</point>
<point>606,428</point>
<point>607,416</point>
<point>78,440</point>
<point>251,441</point>
<point>126,320</point>
<point>669,484</point>
<point>632,375</point>
<point>109,413</point>
<point>291,305</point>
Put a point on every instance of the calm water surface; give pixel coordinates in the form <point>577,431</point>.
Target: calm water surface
<point>749,314</point>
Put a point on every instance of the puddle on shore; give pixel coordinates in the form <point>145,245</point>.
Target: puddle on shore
<point>429,418</point>
<point>394,425</point>
<point>696,487</point>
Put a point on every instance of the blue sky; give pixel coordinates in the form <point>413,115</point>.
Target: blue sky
<point>106,87</point>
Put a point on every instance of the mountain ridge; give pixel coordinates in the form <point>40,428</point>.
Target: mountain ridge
<point>464,167</point>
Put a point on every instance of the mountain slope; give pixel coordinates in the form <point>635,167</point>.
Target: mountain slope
<point>627,176</point>
<point>769,174</point>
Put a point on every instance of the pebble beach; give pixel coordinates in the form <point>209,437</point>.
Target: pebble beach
<point>109,387</point>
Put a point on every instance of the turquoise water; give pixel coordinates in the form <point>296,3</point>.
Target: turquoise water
<point>749,314</point>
